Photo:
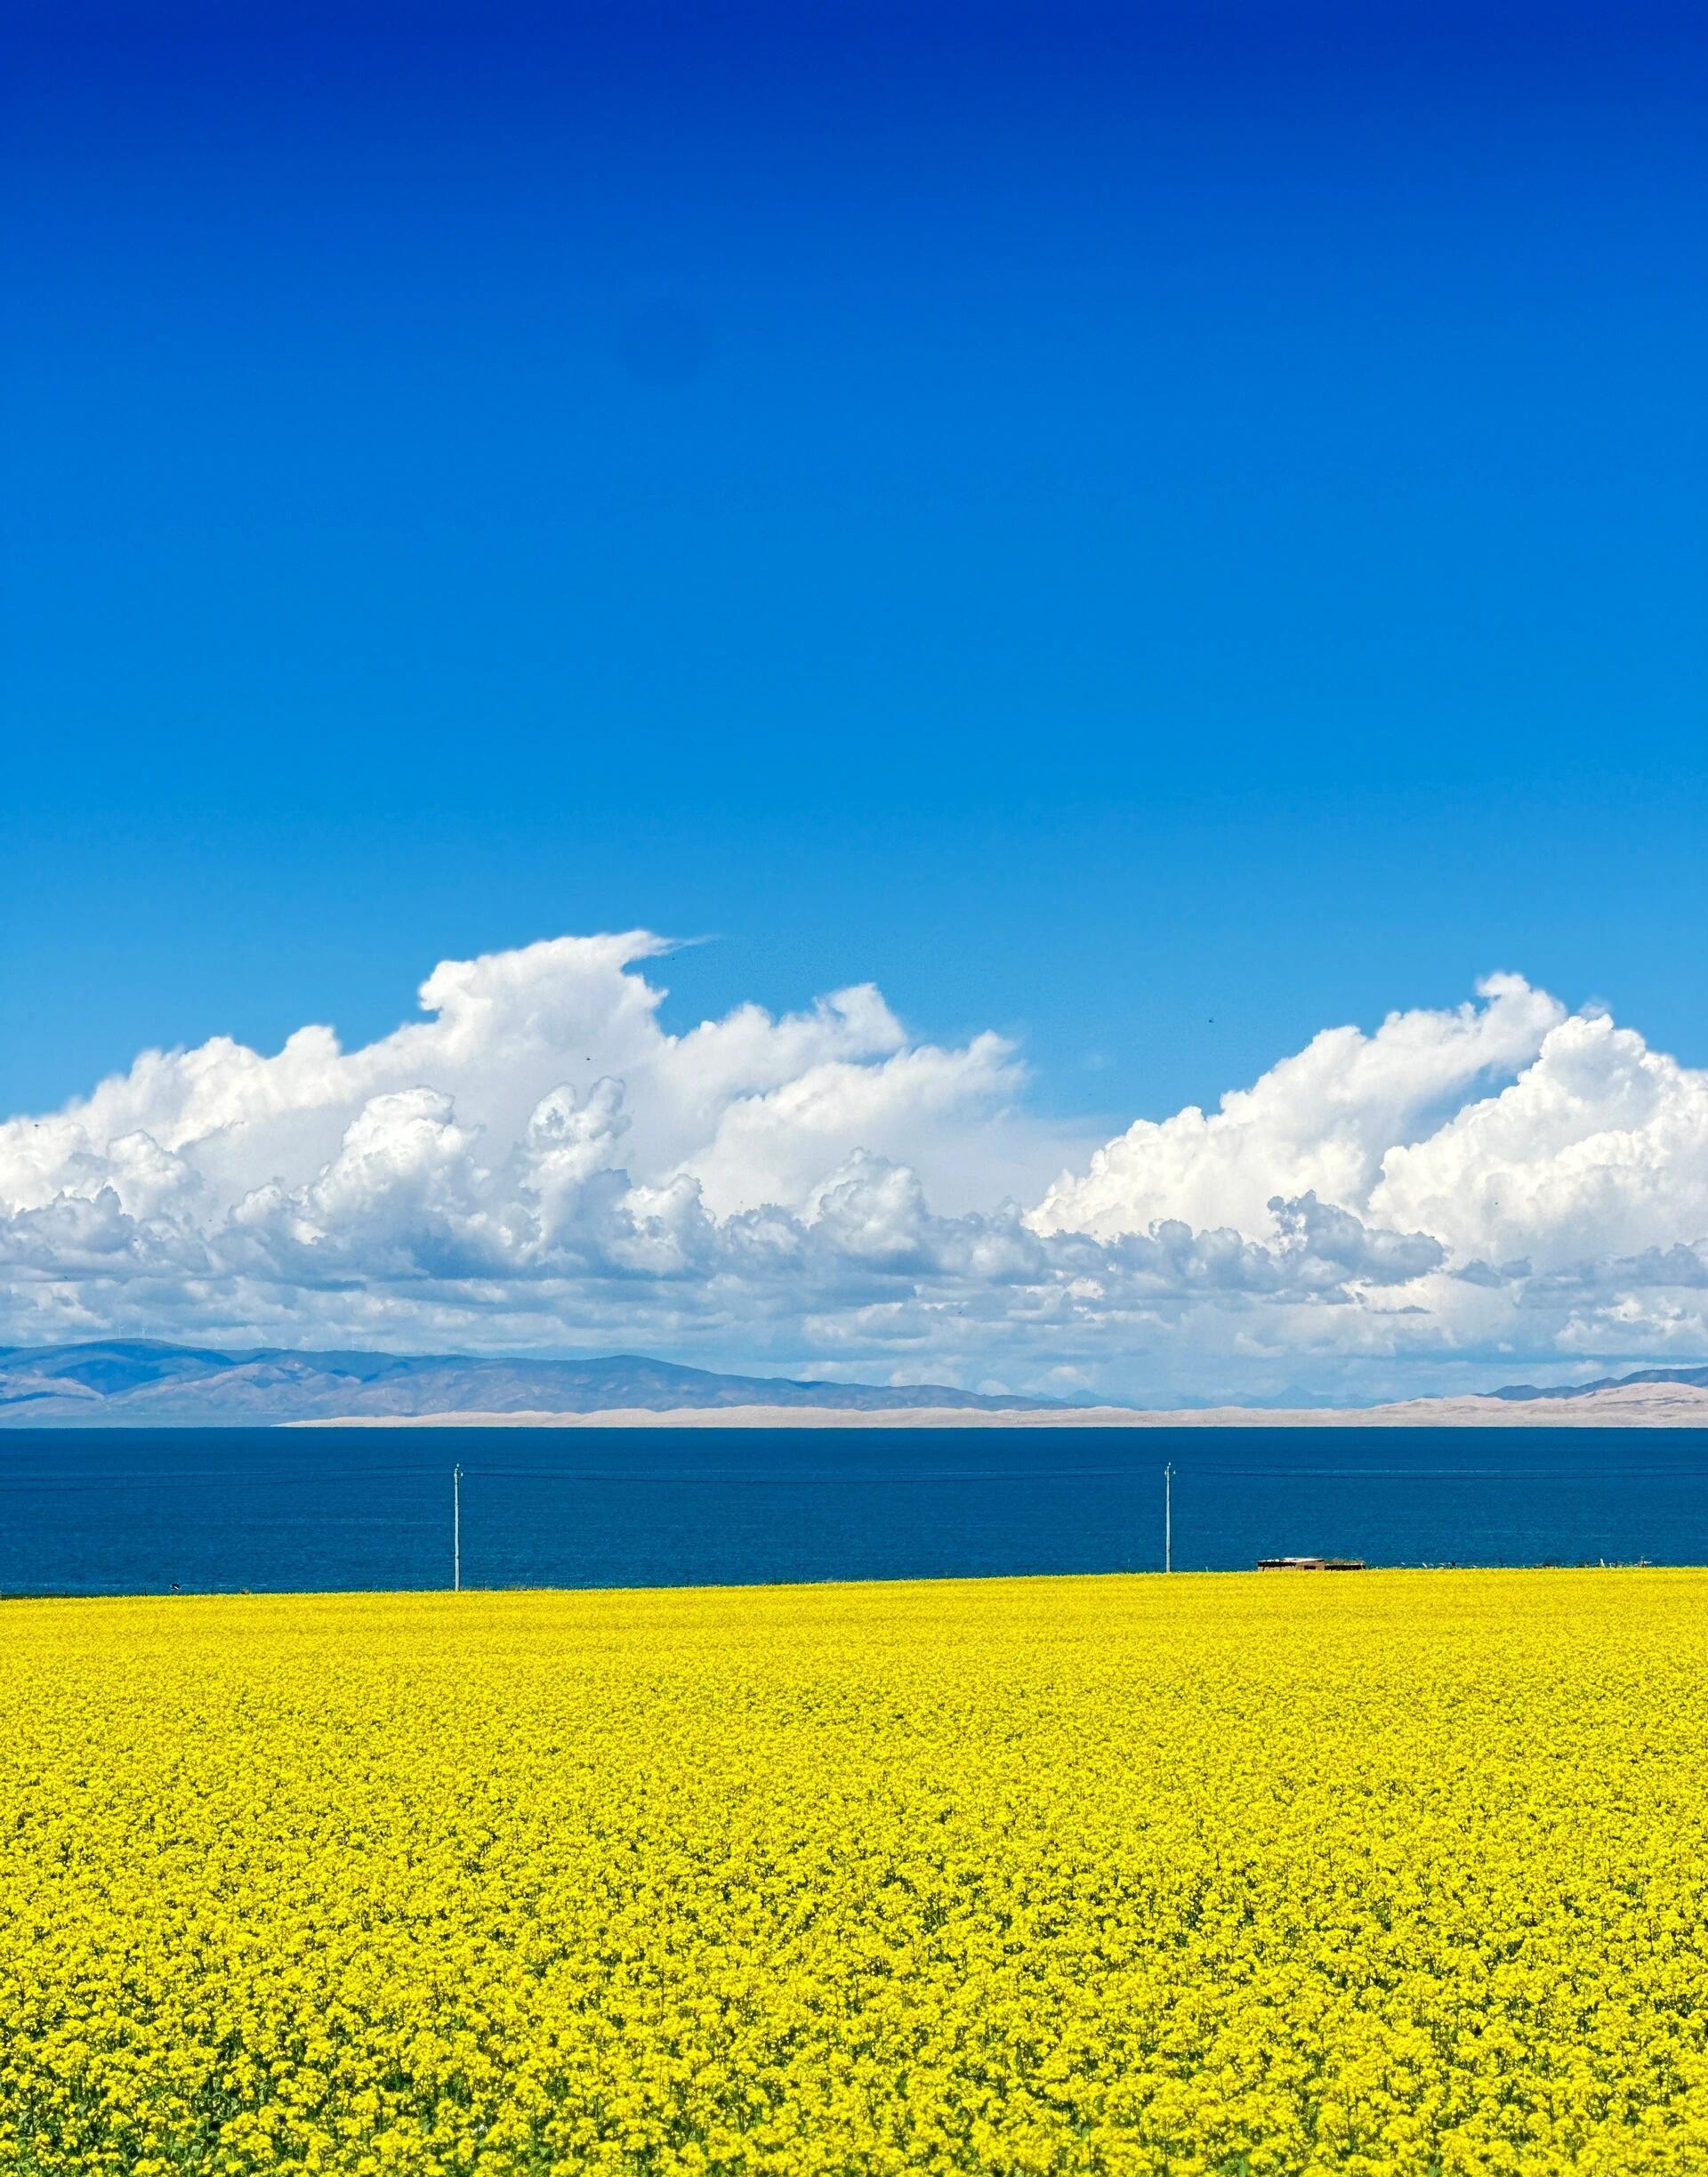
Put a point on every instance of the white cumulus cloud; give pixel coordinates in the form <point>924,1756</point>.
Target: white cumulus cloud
<point>1321,1122</point>
<point>536,1163</point>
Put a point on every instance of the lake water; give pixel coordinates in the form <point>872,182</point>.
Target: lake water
<point>114,1512</point>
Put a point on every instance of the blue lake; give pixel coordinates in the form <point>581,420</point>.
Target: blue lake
<point>125,1511</point>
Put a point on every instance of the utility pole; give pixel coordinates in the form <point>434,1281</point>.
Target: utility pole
<point>457,1530</point>
<point>1168,1516</point>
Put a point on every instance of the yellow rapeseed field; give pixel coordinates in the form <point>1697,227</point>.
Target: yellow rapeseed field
<point>1278,1874</point>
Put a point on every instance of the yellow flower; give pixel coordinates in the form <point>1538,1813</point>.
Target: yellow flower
<point>1201,1877</point>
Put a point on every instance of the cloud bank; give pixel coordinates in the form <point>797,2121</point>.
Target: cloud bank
<point>537,1164</point>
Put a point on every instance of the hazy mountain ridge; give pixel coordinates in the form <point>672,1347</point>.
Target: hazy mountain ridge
<point>136,1382</point>
<point>1602,1383</point>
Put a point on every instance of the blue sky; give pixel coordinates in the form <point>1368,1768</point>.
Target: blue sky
<point>1104,522</point>
<point>1153,532</point>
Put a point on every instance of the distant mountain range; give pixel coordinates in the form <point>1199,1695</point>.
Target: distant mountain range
<point>138,1381</point>
<point>1602,1383</point>
<point>134,1382</point>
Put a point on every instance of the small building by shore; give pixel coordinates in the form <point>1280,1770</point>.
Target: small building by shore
<point>1310,1564</point>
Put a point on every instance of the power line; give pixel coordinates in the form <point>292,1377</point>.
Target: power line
<point>288,1476</point>
<point>57,1482</point>
<point>1079,1473</point>
<point>806,1482</point>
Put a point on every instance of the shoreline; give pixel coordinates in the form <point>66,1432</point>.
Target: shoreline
<point>1636,1406</point>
